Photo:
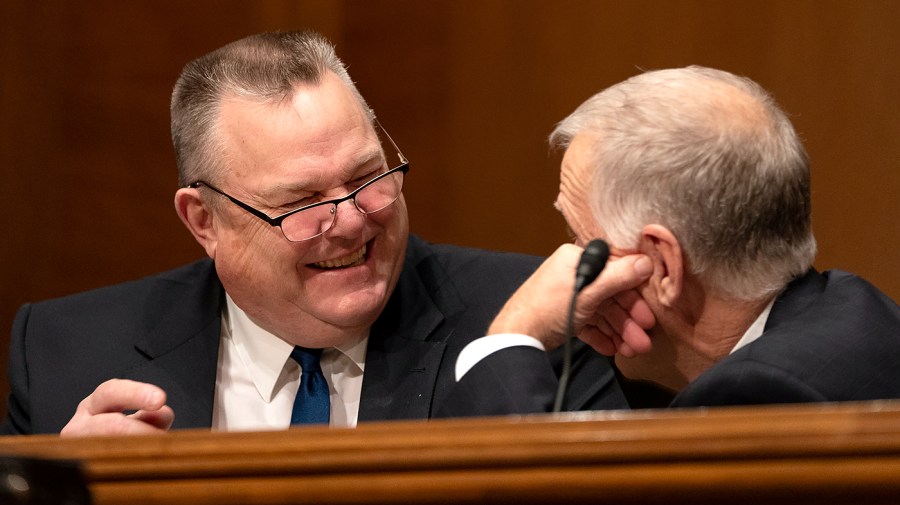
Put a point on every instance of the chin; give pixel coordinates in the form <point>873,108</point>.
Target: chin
<point>355,309</point>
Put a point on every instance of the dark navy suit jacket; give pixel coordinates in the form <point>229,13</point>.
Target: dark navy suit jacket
<point>829,337</point>
<point>165,330</point>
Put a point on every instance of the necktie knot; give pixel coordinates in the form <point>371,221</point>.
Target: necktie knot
<point>307,358</point>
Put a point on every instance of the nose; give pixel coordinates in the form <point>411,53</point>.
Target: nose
<point>349,221</point>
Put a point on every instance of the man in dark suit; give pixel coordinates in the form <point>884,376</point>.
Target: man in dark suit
<point>699,183</point>
<point>294,192</point>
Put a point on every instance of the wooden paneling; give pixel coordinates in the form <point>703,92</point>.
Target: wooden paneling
<point>792,455</point>
<point>468,88</point>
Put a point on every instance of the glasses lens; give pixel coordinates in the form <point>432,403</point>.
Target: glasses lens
<point>380,193</point>
<point>377,195</point>
<point>308,223</point>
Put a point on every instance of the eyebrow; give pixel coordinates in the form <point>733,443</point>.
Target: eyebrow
<point>280,188</point>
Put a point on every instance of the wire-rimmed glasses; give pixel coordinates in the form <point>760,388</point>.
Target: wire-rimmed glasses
<point>312,220</point>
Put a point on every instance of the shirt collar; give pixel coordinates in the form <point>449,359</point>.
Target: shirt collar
<point>263,354</point>
<point>756,329</point>
<point>354,350</point>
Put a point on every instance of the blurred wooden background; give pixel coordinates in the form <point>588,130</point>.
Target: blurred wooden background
<point>469,89</point>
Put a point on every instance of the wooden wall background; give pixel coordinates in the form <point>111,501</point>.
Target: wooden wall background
<point>468,88</point>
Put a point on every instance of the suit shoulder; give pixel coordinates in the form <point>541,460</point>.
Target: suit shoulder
<point>468,261</point>
<point>831,337</point>
<point>194,273</point>
<point>842,286</point>
<point>749,382</point>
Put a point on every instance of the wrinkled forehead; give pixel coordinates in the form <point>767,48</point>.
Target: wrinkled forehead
<point>573,198</point>
<point>318,134</point>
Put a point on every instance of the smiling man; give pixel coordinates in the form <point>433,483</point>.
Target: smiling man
<point>314,304</point>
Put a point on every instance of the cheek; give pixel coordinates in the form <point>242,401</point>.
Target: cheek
<point>392,242</point>
<point>242,243</point>
<point>256,254</point>
<point>394,221</point>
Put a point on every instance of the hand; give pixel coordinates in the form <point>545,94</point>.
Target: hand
<point>101,413</point>
<point>617,324</point>
<point>610,316</point>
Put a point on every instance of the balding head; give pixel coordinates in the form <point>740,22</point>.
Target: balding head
<point>711,157</point>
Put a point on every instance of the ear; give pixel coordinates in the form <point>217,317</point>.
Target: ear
<point>198,218</point>
<point>661,245</point>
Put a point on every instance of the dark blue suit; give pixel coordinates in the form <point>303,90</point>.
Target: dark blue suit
<point>165,330</point>
<point>829,337</point>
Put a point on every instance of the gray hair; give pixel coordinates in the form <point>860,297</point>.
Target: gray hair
<point>263,67</point>
<point>710,156</point>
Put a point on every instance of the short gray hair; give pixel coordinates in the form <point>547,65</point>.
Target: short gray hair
<point>710,156</point>
<point>262,67</point>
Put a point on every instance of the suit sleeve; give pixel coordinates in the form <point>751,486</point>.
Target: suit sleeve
<point>17,421</point>
<point>515,380</point>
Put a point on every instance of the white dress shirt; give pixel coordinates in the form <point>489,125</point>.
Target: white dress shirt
<point>756,329</point>
<point>256,379</point>
<point>481,348</point>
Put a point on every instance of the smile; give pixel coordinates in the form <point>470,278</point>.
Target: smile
<point>351,260</point>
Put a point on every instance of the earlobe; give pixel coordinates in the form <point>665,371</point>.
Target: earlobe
<point>198,219</point>
<point>664,250</point>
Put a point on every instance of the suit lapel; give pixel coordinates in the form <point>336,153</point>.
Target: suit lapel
<point>406,347</point>
<point>182,341</point>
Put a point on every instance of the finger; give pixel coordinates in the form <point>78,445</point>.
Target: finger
<point>161,418</point>
<point>635,338</point>
<point>615,317</point>
<point>637,308</point>
<point>114,423</point>
<point>603,325</point>
<point>116,395</point>
<point>627,331</point>
<point>626,350</point>
<point>599,341</point>
<point>618,276</point>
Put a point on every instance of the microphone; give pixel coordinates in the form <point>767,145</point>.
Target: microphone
<point>592,262</point>
<point>593,259</point>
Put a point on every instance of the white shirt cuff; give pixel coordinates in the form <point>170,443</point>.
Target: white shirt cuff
<point>479,349</point>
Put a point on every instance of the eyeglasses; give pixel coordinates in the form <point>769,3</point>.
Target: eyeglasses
<point>310,221</point>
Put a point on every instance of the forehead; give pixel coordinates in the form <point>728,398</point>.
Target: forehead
<point>577,170</point>
<point>316,136</point>
<point>573,200</point>
<point>577,160</point>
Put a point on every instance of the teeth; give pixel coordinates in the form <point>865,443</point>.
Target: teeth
<point>354,259</point>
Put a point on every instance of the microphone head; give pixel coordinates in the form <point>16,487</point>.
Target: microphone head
<point>593,259</point>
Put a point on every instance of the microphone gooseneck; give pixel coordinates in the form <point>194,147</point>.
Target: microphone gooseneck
<point>592,262</point>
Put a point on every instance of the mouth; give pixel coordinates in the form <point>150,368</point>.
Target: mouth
<point>353,259</point>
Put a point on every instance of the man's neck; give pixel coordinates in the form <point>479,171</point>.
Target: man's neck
<point>723,325</point>
<point>688,341</point>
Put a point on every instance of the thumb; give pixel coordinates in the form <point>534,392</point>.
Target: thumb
<point>620,274</point>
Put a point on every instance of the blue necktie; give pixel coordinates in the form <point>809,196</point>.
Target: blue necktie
<point>312,404</point>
